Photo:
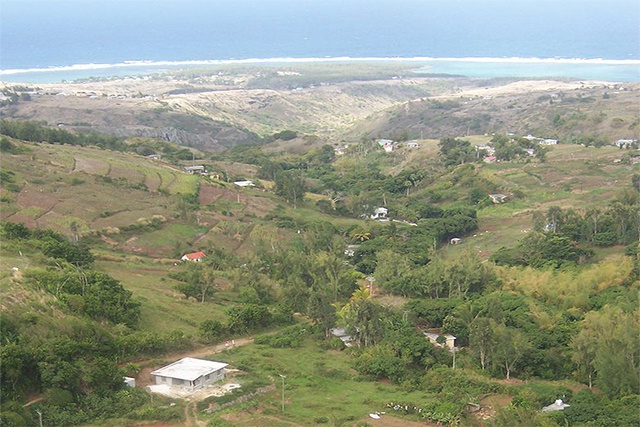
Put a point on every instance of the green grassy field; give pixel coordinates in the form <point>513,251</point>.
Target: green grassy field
<point>163,308</point>
<point>320,386</point>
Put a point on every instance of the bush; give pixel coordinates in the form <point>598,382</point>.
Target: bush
<point>58,397</point>
<point>605,239</point>
<point>291,337</point>
<point>285,135</point>
<point>219,422</point>
<point>212,330</point>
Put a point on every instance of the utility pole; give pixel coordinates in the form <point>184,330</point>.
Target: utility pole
<point>454,358</point>
<point>283,377</point>
<point>371,279</point>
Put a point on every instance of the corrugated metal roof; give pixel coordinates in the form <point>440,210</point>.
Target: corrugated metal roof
<point>189,369</point>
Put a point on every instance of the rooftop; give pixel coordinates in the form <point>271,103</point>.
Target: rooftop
<point>195,255</point>
<point>189,369</point>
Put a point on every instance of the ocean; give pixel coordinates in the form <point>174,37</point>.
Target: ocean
<point>52,40</point>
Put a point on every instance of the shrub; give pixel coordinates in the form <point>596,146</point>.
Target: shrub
<point>290,337</point>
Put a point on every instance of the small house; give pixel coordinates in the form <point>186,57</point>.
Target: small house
<point>190,373</point>
<point>388,148</point>
<point>383,142</point>
<point>195,169</point>
<point>195,257</point>
<point>626,143</point>
<point>487,149</point>
<point>129,382</point>
<point>558,405</point>
<point>413,144</point>
<point>498,198</point>
<point>245,183</point>
<point>342,335</point>
<point>450,340</point>
<point>455,241</point>
<point>380,214</point>
<point>340,151</point>
<point>548,141</point>
<point>351,250</point>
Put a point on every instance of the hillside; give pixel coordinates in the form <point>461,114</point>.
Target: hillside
<point>218,108</point>
<point>555,109</point>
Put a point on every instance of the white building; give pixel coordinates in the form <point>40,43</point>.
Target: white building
<point>244,183</point>
<point>380,214</point>
<point>450,340</point>
<point>548,141</point>
<point>190,373</point>
<point>558,405</point>
<point>195,169</point>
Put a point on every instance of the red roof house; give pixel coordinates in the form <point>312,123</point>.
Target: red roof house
<point>196,256</point>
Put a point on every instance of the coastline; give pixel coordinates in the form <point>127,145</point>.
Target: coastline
<point>612,70</point>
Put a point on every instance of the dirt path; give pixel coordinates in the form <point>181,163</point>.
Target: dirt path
<point>32,401</point>
<point>191,416</point>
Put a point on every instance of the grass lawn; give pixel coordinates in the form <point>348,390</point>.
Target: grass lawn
<point>320,386</point>
<point>163,308</point>
<point>170,234</point>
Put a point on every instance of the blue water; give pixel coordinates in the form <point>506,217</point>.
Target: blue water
<point>66,35</point>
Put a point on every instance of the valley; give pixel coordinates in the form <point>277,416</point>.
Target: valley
<point>527,253</point>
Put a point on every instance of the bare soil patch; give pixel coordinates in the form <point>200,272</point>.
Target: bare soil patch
<point>91,166</point>
<point>209,194</point>
<point>391,421</point>
<point>490,404</point>
<point>33,196</point>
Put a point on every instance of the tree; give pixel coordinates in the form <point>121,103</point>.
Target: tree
<point>482,339</point>
<point>321,311</point>
<point>392,271</point>
<point>362,318</point>
<point>14,230</point>
<point>78,255</point>
<point>200,282</point>
<point>291,186</point>
<point>608,347</point>
<point>330,269</point>
<point>247,317</point>
<point>510,346</point>
<point>455,151</point>
<point>584,346</point>
<point>554,219</point>
<point>360,235</point>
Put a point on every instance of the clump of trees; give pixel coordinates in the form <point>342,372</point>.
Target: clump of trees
<point>36,132</point>
<point>39,132</point>
<point>561,236</point>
